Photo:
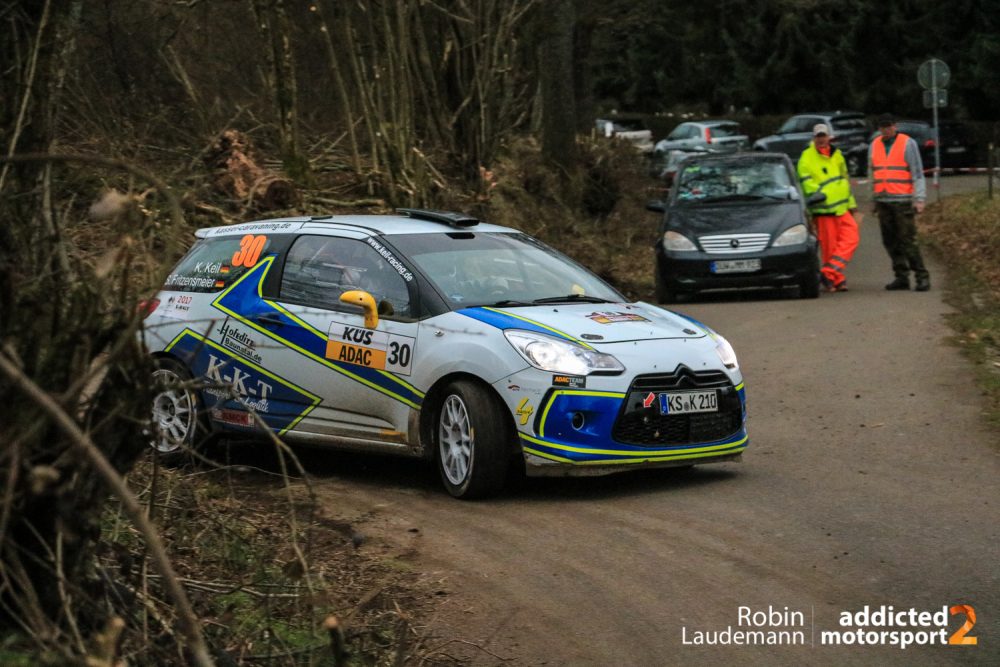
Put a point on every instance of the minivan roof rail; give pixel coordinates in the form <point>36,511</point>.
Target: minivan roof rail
<point>446,217</point>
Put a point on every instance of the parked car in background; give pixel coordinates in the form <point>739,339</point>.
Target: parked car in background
<point>957,149</point>
<point>850,132</point>
<point>629,128</point>
<point>664,164</point>
<point>718,136</point>
<point>735,221</point>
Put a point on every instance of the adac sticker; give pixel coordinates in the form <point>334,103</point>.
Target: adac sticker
<point>351,344</point>
<point>613,316</point>
<point>574,381</point>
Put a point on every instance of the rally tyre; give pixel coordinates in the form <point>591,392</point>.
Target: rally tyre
<point>177,425</point>
<point>473,436</point>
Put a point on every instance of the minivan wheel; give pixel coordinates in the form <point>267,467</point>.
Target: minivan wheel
<point>473,436</point>
<point>663,293</point>
<point>175,420</point>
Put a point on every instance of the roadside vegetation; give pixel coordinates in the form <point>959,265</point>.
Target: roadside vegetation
<point>965,232</point>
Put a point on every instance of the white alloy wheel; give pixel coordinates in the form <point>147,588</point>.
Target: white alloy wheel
<point>455,440</point>
<point>174,412</point>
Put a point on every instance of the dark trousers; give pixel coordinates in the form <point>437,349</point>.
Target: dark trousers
<point>899,236</point>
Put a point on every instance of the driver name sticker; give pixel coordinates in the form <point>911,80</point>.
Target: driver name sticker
<point>610,317</point>
<point>356,345</point>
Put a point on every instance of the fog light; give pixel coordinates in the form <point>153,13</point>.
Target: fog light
<point>578,420</point>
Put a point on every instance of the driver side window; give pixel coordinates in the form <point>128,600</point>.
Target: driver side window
<point>319,269</point>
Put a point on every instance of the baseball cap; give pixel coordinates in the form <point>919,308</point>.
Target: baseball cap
<point>886,120</point>
<point>821,128</point>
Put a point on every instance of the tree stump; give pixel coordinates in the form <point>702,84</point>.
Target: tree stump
<point>241,178</point>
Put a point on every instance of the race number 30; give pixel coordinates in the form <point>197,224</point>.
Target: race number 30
<point>249,252</point>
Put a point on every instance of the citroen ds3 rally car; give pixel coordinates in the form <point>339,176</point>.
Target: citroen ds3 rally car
<point>431,334</point>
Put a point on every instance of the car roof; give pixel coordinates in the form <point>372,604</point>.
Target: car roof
<point>832,114</point>
<point>381,225</point>
<point>754,156</point>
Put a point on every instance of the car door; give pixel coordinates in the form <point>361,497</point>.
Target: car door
<point>359,373</point>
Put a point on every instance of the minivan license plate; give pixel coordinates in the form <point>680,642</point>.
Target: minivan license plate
<point>678,403</point>
<point>736,266</point>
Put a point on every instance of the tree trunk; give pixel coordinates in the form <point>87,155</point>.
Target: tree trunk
<point>555,68</point>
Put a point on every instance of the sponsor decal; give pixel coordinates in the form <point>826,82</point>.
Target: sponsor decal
<point>248,227</point>
<point>524,410</point>
<point>514,387</point>
<point>389,257</point>
<point>239,341</point>
<point>574,381</point>
<point>178,307</point>
<point>591,337</point>
<point>351,344</point>
<point>612,316</point>
<point>234,417</point>
<point>237,384</point>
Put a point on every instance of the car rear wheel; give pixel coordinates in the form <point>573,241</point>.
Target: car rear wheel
<point>473,441</point>
<point>176,420</point>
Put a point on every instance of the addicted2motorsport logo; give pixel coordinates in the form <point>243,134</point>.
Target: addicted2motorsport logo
<point>869,626</point>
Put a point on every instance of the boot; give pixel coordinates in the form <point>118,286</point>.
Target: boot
<point>923,283</point>
<point>900,283</point>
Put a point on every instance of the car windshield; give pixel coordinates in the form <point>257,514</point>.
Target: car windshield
<point>508,269</point>
<point>734,180</point>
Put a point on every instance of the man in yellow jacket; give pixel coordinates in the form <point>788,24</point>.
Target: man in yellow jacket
<point>822,168</point>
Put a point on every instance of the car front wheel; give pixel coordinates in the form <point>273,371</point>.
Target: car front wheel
<point>473,441</point>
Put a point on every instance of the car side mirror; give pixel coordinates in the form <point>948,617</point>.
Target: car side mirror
<point>656,206</point>
<point>367,303</point>
<point>816,198</point>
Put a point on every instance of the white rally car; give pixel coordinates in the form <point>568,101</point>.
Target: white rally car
<point>431,334</point>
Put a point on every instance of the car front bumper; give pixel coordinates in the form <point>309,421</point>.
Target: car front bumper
<point>692,271</point>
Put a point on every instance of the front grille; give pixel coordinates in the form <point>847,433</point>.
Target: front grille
<point>729,244</point>
<point>637,425</point>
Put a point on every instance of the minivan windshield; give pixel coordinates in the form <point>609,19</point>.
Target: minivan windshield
<point>500,268</point>
<point>734,180</point>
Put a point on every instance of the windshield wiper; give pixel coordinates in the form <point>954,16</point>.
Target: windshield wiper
<point>733,197</point>
<point>583,298</point>
<point>508,302</point>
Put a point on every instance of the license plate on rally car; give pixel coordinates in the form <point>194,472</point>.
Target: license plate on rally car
<point>735,266</point>
<point>955,149</point>
<point>686,402</point>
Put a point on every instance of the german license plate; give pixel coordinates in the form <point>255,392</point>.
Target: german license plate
<point>955,149</point>
<point>735,266</point>
<point>685,402</point>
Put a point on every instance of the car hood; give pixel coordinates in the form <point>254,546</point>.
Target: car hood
<point>735,217</point>
<point>591,323</point>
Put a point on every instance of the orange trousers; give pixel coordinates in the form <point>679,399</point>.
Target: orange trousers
<point>838,239</point>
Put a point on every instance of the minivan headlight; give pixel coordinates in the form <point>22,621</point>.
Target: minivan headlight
<point>675,241</point>
<point>792,236</point>
<point>560,356</point>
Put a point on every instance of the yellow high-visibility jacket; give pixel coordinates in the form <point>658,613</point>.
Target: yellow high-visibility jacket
<point>819,173</point>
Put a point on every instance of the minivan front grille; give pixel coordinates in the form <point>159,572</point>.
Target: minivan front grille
<point>729,244</point>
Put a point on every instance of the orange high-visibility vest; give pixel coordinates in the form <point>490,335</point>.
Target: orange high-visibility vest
<point>891,173</point>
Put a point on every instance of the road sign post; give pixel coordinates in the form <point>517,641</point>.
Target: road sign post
<point>934,76</point>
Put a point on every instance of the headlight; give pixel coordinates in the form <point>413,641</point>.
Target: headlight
<point>726,352</point>
<point>792,236</point>
<point>560,356</point>
<point>675,241</point>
